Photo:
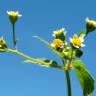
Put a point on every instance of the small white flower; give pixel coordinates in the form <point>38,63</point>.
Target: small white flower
<point>57,43</point>
<point>13,15</point>
<point>59,32</point>
<point>77,42</point>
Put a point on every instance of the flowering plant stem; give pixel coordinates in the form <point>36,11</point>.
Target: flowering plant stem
<point>67,72</point>
<point>20,54</point>
<point>13,33</point>
<point>68,82</point>
<point>32,59</point>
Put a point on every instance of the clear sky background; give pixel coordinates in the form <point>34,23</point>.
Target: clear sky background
<point>41,17</point>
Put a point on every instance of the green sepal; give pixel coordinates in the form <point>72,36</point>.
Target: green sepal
<point>78,53</point>
<point>81,33</point>
<point>61,37</point>
<point>90,28</point>
<point>86,80</point>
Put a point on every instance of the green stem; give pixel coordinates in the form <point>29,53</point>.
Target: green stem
<point>67,79</point>
<point>67,70</point>
<point>70,59</point>
<point>68,82</point>
<point>13,33</point>
<point>32,60</point>
<point>20,54</point>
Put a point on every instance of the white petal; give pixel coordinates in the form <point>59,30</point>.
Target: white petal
<point>76,46</point>
<point>62,28</point>
<point>82,45</point>
<point>8,12</point>
<point>87,19</point>
<point>19,15</point>
<point>53,45</point>
<point>53,35</point>
<point>75,35</point>
<point>82,39</point>
<point>70,40</point>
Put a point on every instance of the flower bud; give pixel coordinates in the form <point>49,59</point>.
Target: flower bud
<point>90,25</point>
<point>13,16</point>
<point>3,44</point>
<point>78,53</point>
<point>60,34</point>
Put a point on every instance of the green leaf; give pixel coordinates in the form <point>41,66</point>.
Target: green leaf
<point>43,62</point>
<point>86,80</point>
<point>49,45</point>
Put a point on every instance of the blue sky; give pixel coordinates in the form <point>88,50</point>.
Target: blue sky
<point>41,17</point>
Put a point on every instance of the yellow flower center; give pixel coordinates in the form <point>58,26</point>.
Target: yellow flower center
<point>13,14</point>
<point>76,41</point>
<point>57,43</point>
<point>91,22</point>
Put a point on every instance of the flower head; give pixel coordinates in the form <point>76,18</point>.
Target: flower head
<point>57,44</point>
<point>59,34</point>
<point>3,44</point>
<point>77,42</point>
<point>90,25</point>
<point>13,16</point>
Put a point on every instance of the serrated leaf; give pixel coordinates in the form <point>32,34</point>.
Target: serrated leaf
<point>49,45</point>
<point>43,62</point>
<point>86,80</point>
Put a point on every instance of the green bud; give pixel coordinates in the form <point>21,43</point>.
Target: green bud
<point>78,53</point>
<point>90,25</point>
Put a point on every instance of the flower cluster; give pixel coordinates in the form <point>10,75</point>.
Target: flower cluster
<point>67,52</point>
<point>76,42</point>
<point>60,35</point>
